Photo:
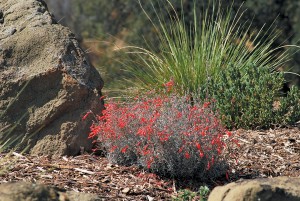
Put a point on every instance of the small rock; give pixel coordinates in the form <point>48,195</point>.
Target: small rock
<point>266,189</point>
<point>126,190</point>
<point>150,198</point>
<point>28,191</point>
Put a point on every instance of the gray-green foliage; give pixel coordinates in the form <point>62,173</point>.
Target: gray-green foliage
<point>249,96</point>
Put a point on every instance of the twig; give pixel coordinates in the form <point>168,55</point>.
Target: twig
<point>21,156</point>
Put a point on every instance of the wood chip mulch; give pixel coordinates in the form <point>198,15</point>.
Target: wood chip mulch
<point>266,153</point>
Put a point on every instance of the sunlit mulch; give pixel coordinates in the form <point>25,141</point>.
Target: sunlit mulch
<point>261,154</point>
<point>268,153</point>
<point>91,174</point>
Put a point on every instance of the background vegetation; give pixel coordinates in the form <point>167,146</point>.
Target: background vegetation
<point>106,26</point>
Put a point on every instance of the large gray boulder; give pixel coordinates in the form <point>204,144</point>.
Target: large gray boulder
<point>46,83</point>
<point>23,191</point>
<point>266,189</point>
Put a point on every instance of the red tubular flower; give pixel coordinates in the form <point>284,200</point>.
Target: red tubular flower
<point>124,149</point>
<point>236,142</point>
<point>86,115</point>
<point>198,145</point>
<point>146,151</point>
<point>158,102</point>
<point>227,176</point>
<point>164,139</point>
<point>121,123</point>
<point>212,160</point>
<point>187,155</point>
<point>141,131</point>
<point>206,104</point>
<point>178,115</point>
<point>113,148</point>
<point>149,162</point>
<point>143,120</point>
<point>208,165</point>
<point>169,85</point>
<point>94,131</point>
<point>197,128</point>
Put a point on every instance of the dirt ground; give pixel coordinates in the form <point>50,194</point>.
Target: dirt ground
<point>262,153</point>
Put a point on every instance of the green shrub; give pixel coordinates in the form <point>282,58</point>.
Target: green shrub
<point>187,195</point>
<point>248,96</point>
<point>289,107</point>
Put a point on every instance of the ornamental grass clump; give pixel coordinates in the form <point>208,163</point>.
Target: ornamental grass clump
<point>194,54</point>
<point>164,134</point>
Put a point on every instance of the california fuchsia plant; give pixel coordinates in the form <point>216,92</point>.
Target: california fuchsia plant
<point>167,135</point>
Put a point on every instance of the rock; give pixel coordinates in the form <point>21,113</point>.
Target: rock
<point>126,190</point>
<point>46,83</point>
<point>27,191</point>
<point>266,189</point>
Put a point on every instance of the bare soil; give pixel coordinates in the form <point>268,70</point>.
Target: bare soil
<point>262,153</point>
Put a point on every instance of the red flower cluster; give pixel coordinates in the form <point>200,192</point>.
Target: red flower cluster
<point>169,85</point>
<point>162,132</point>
